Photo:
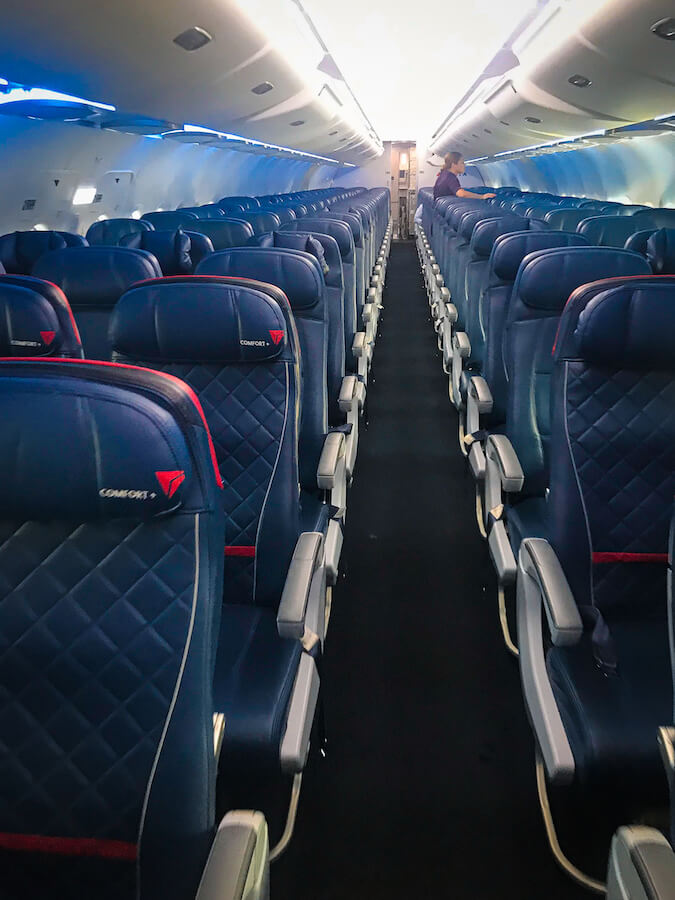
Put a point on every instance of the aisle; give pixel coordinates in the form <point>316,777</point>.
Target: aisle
<point>428,789</point>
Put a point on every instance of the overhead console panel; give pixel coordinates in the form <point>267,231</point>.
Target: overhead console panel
<point>234,66</point>
<point>578,68</point>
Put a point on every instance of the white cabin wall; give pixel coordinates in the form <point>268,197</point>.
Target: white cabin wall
<point>640,170</point>
<point>376,173</point>
<point>165,174</point>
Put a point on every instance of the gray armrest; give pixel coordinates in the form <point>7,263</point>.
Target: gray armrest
<point>562,612</point>
<point>445,297</point>
<point>462,344</point>
<point>359,344</point>
<point>295,597</point>
<point>348,397</point>
<point>439,281</point>
<point>451,312</point>
<point>435,268</point>
<point>368,313</point>
<point>480,393</point>
<point>238,864</point>
<point>500,450</point>
<point>375,281</point>
<point>332,453</point>
<point>536,592</point>
<point>641,865</point>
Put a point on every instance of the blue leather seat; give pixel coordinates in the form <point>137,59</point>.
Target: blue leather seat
<point>109,232</point>
<point>342,234</point>
<point>283,213</point>
<point>242,202</point>
<point>36,320</point>
<point>606,687</point>
<point>260,221</point>
<point>170,220</point>
<point>111,561</point>
<point>171,249</point>
<point>20,250</point>
<point>234,342</point>
<point>93,279</point>
<point>608,231</point>
<point>360,275</point>
<point>661,251</point>
<point>200,246</point>
<point>568,218</point>
<point>73,240</point>
<point>298,275</point>
<point>223,233</point>
<point>655,218</point>
<point>637,241</point>
<point>208,211</point>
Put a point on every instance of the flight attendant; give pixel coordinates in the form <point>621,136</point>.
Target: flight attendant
<point>447,182</point>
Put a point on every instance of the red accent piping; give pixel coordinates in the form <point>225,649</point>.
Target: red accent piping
<point>240,551</point>
<point>101,362</point>
<point>63,846</point>
<point>605,557</point>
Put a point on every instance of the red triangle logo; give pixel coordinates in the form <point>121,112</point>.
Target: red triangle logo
<point>277,336</point>
<point>170,481</point>
<point>48,336</point>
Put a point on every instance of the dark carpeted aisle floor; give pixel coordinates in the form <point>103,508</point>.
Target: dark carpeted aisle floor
<point>428,789</point>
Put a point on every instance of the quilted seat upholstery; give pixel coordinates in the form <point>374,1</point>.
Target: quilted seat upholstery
<point>609,510</point>
<point>109,577</point>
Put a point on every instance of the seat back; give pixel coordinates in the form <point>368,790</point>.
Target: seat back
<point>20,250</point>
<point>608,231</point>
<point>109,232</point>
<point>637,241</point>
<point>111,570</point>
<point>200,246</point>
<point>169,220</point>
<point>242,202</point>
<point>342,234</point>
<point>283,213</point>
<point>661,251</point>
<point>613,445</point>
<point>223,233</point>
<point>655,218</point>
<point>260,221</point>
<point>567,218</point>
<point>73,240</point>
<point>234,342</point>
<point>93,279</point>
<point>299,277</point>
<point>353,221</point>
<point>171,249</point>
<point>325,250</point>
<point>36,320</point>
<point>542,287</point>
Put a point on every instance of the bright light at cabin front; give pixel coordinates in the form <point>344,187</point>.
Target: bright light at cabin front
<point>84,195</point>
<point>408,63</point>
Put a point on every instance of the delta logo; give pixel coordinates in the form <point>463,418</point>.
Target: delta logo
<point>170,481</point>
<point>277,338</point>
<point>47,336</point>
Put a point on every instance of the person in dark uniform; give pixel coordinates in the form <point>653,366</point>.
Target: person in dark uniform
<point>447,182</point>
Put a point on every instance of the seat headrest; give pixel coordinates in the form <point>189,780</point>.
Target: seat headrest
<point>334,227</point>
<point>296,274</point>
<point>661,251</point>
<point>20,250</point>
<point>171,249</point>
<point>200,246</point>
<point>566,219</point>
<point>510,249</point>
<point>655,218</point>
<point>123,443</point>
<point>224,233</point>
<point>109,232</point>
<point>637,242</point>
<point>471,218</point>
<point>170,221</point>
<point>261,221</point>
<point>96,276</point>
<point>488,230</point>
<point>546,278</point>
<point>630,326</point>
<point>294,241</point>
<point>73,240</point>
<point>198,319</point>
<point>607,231</point>
<point>350,219</point>
<point>35,319</point>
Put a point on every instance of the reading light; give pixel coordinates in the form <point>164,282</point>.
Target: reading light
<point>83,196</point>
<point>136,214</point>
<point>579,81</point>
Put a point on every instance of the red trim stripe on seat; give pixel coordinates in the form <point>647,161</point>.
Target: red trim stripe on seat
<point>234,550</point>
<point>605,557</point>
<point>65,846</point>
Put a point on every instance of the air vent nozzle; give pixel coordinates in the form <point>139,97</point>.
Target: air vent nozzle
<point>579,81</point>
<point>193,39</point>
<point>665,28</point>
<point>262,88</point>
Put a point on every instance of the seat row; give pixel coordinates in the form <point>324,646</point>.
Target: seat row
<point>560,353</point>
<point>167,604</point>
